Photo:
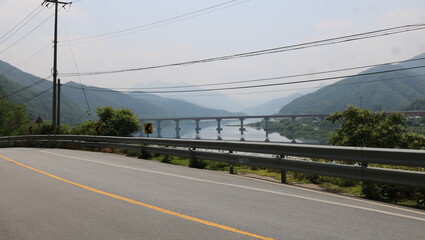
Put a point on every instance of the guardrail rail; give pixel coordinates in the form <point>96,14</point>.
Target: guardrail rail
<point>286,157</point>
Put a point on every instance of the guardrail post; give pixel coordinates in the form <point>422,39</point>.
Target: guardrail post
<point>158,129</point>
<point>242,129</point>
<point>363,165</point>
<point>178,129</point>
<point>283,176</point>
<point>282,173</point>
<point>219,129</point>
<point>197,129</point>
<point>232,168</point>
<point>266,129</point>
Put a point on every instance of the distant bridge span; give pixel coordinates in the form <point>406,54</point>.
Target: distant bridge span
<point>242,118</point>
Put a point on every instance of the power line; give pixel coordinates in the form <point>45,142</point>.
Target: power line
<point>281,77</point>
<point>76,68</point>
<point>36,54</point>
<point>262,85</point>
<point>17,41</point>
<point>13,28</point>
<point>158,23</point>
<point>36,96</point>
<point>25,88</point>
<point>329,41</point>
<point>304,88</point>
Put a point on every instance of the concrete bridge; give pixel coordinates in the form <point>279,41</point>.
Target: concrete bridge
<point>241,119</point>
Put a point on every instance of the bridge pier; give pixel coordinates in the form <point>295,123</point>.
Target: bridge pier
<point>158,129</point>
<point>219,129</point>
<point>266,129</point>
<point>197,129</point>
<point>242,129</point>
<point>178,129</point>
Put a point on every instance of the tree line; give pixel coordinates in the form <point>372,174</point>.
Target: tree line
<point>109,122</point>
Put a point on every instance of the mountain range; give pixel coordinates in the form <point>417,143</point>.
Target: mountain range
<point>210,99</point>
<point>35,94</point>
<point>272,106</point>
<point>391,89</point>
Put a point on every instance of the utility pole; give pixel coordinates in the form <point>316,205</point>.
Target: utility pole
<point>59,105</point>
<point>55,110</point>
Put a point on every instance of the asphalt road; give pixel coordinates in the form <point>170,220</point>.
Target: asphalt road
<point>65,194</point>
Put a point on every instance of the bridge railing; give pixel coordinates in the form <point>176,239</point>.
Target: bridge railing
<point>344,162</point>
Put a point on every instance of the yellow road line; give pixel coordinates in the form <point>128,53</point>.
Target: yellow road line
<point>216,225</point>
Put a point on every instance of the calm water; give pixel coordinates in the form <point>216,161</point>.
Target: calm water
<point>230,131</point>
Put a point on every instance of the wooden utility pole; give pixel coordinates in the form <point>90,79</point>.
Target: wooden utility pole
<point>59,104</point>
<point>55,109</point>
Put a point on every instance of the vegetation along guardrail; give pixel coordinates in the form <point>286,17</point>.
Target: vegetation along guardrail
<point>338,161</point>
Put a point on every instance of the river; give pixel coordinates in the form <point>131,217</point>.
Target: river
<point>230,131</point>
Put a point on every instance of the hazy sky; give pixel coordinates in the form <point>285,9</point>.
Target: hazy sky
<point>240,26</point>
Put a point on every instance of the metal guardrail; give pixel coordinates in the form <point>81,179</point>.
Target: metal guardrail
<point>267,155</point>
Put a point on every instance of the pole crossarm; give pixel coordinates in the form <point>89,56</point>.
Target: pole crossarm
<point>58,2</point>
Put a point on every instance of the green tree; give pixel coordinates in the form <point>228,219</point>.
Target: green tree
<point>47,128</point>
<point>112,122</point>
<point>13,119</point>
<point>85,128</point>
<point>362,128</point>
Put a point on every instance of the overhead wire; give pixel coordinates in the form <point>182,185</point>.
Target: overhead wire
<point>261,85</point>
<point>26,87</point>
<point>37,95</point>
<point>303,88</point>
<point>329,41</point>
<point>76,67</point>
<point>20,39</point>
<point>159,23</point>
<point>280,77</point>
<point>19,23</point>
<point>34,55</point>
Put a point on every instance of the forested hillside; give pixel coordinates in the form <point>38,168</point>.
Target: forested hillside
<point>390,91</point>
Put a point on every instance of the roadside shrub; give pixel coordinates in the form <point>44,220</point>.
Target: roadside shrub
<point>145,155</point>
<point>391,193</point>
<point>212,165</point>
<point>132,153</point>
<point>197,163</point>
<point>166,159</point>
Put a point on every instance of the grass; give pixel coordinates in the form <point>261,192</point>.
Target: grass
<point>258,171</point>
<point>410,203</point>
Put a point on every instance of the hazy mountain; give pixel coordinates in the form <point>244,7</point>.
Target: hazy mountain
<point>179,108</point>
<point>390,91</point>
<point>37,99</point>
<point>271,107</point>
<point>99,97</point>
<point>213,99</point>
<point>36,95</point>
<point>419,62</point>
<point>417,105</point>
